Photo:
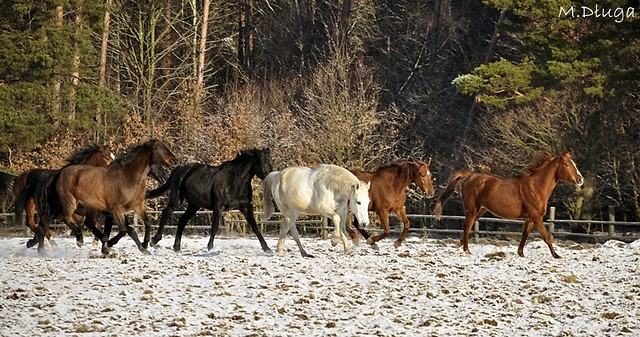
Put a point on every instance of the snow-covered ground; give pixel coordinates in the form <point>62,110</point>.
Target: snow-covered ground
<point>425,288</point>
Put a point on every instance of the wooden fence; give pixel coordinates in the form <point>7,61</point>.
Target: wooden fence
<point>233,223</point>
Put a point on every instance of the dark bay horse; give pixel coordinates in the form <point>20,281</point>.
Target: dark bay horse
<point>92,155</point>
<point>524,197</point>
<point>218,188</point>
<point>388,194</point>
<point>117,188</point>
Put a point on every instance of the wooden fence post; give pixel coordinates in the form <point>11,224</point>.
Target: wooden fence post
<point>226,225</point>
<point>552,216</point>
<point>325,230</point>
<point>612,219</point>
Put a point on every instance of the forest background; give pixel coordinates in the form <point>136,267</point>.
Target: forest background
<point>481,84</point>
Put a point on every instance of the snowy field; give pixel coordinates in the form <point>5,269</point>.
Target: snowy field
<point>424,288</point>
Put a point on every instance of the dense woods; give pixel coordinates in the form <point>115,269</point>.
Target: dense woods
<point>481,84</point>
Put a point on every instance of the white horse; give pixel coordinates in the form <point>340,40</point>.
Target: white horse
<point>328,190</point>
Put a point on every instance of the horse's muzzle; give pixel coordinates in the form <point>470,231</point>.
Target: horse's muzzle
<point>580,181</point>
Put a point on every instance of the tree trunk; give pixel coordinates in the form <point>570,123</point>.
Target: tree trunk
<point>201,53</point>
<point>102,73</point>
<point>471,116</point>
<point>57,85</point>
<point>245,36</point>
<point>75,73</point>
<point>345,17</point>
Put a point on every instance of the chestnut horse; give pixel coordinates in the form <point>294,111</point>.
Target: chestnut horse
<point>524,197</point>
<point>388,194</point>
<point>116,188</point>
<point>92,155</point>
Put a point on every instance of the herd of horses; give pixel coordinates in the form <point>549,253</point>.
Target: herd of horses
<point>95,182</point>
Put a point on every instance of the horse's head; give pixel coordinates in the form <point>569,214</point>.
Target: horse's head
<point>359,201</point>
<point>264,164</point>
<point>567,169</point>
<point>423,178</point>
<point>105,156</point>
<point>160,154</point>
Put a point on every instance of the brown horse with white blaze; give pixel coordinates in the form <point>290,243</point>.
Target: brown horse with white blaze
<point>388,194</point>
<point>524,197</point>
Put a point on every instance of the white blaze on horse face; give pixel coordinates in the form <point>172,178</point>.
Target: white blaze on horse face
<point>113,156</point>
<point>581,178</point>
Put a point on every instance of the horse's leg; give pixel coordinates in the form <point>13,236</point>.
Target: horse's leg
<point>383,215</point>
<point>405,229</point>
<point>29,209</point>
<point>42,228</point>
<point>119,219</point>
<point>337,232</point>
<point>296,237</point>
<point>545,236</point>
<point>526,229</point>
<point>68,218</point>
<point>134,236</point>
<point>142,215</point>
<point>284,229</point>
<point>354,235</point>
<point>215,225</point>
<point>90,222</point>
<point>247,210</point>
<point>182,222</point>
<point>164,219</point>
<point>341,231</point>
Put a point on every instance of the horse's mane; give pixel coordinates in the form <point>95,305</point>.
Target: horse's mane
<point>81,155</point>
<point>405,168</point>
<point>337,176</point>
<point>540,160</point>
<point>247,153</point>
<point>132,152</point>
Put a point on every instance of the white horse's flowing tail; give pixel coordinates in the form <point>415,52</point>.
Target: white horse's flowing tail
<point>267,202</point>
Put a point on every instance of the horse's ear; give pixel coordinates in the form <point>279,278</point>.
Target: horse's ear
<point>368,185</point>
<point>354,187</point>
<point>429,162</point>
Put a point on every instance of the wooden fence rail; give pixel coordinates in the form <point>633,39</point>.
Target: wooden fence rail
<point>422,226</point>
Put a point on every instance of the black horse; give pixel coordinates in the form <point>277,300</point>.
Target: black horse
<point>218,188</point>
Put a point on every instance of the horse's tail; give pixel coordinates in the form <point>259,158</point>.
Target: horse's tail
<point>20,201</point>
<point>47,198</point>
<point>457,177</point>
<point>162,189</point>
<point>267,204</point>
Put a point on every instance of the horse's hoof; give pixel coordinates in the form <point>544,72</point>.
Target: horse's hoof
<point>53,243</point>
<point>308,255</point>
<point>521,254</point>
<point>397,243</point>
<point>144,251</point>
<point>94,244</point>
<point>374,246</point>
<point>556,256</point>
<point>31,243</point>
<point>154,241</point>
<point>335,241</point>
<point>267,250</point>
<point>105,249</point>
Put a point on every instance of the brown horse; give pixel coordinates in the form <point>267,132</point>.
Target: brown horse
<point>116,188</point>
<point>388,194</point>
<point>524,197</point>
<point>92,155</point>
